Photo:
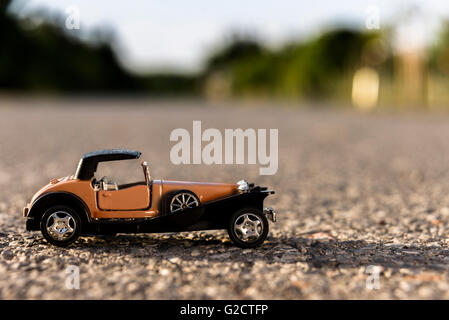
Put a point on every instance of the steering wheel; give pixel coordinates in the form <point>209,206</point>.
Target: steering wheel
<point>104,179</point>
<point>108,185</point>
<point>96,184</point>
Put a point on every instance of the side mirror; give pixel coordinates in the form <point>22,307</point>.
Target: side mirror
<point>146,172</point>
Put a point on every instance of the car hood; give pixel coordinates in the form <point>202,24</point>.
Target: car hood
<point>206,191</point>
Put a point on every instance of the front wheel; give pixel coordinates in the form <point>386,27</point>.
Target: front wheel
<point>248,228</point>
<point>60,225</point>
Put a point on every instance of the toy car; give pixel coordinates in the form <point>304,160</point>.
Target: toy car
<point>82,204</point>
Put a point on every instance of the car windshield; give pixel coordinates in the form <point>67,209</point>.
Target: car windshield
<point>121,172</point>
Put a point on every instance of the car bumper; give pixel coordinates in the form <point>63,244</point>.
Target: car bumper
<point>270,213</point>
<point>30,224</point>
<point>25,211</point>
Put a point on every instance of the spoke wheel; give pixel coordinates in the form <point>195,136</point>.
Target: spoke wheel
<point>183,200</point>
<point>60,225</point>
<point>248,228</point>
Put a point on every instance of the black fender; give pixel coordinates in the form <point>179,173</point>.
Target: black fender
<point>216,213</point>
<point>54,198</point>
<point>219,212</point>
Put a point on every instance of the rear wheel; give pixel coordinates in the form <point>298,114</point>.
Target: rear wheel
<point>248,228</point>
<point>60,225</point>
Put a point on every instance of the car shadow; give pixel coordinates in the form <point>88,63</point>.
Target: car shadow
<point>360,253</point>
<point>315,253</point>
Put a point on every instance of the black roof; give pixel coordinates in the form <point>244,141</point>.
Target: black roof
<point>112,154</point>
<point>89,162</point>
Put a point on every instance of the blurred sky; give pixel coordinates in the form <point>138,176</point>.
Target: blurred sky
<point>179,34</point>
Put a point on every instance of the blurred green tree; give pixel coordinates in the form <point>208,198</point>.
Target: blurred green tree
<point>305,69</point>
<point>439,56</point>
<point>44,57</point>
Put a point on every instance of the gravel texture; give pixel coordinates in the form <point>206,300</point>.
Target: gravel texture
<point>353,190</point>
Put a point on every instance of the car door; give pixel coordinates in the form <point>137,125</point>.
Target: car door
<point>133,197</point>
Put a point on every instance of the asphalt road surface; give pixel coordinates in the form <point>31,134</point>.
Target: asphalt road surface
<point>362,202</point>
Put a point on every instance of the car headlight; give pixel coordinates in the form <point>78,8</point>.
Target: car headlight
<point>243,186</point>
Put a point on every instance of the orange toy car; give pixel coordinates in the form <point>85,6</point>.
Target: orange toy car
<point>81,204</point>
